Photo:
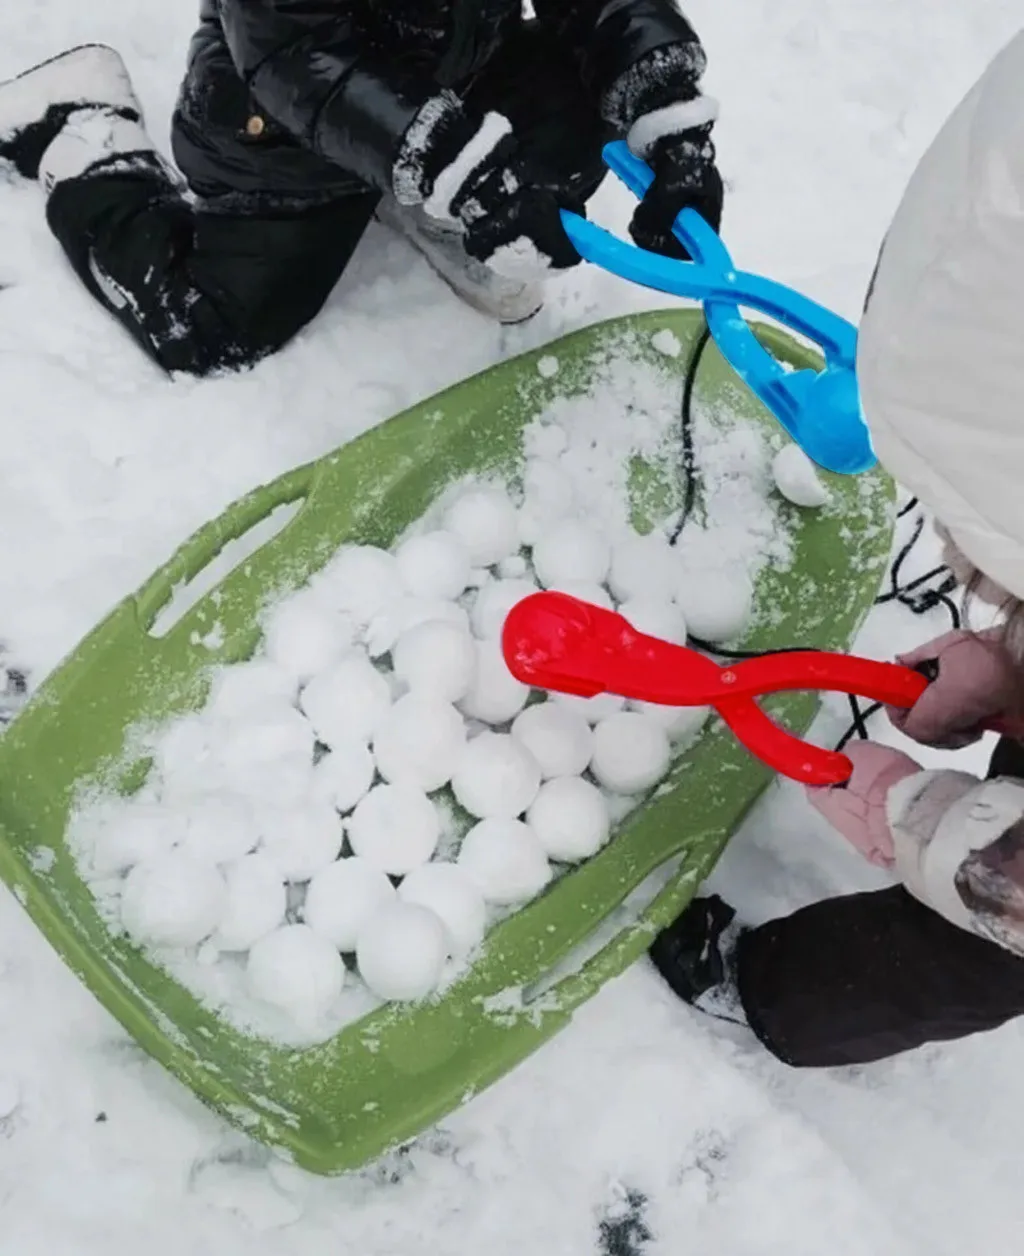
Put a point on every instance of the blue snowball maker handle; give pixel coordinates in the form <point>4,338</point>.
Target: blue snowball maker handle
<point>820,410</point>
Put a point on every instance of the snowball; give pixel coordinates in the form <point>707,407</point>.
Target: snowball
<point>296,971</point>
<point>595,594</point>
<point>680,723</point>
<point>406,613</point>
<point>437,660</point>
<point>558,738</point>
<point>184,757</point>
<point>532,521</point>
<point>496,777</point>
<point>396,828</point>
<point>545,440</point>
<point>631,752</point>
<point>302,636</point>
<point>434,565</point>
<point>716,604</point>
<point>401,952</point>
<point>267,755</point>
<point>342,898</point>
<point>131,833</point>
<point>255,903</point>
<point>571,550</point>
<point>495,696</point>
<point>506,860</point>
<point>344,776</point>
<point>547,488</point>
<point>797,479</point>
<point>219,829</point>
<point>484,519</point>
<point>347,702</point>
<point>571,819</point>
<point>494,601</point>
<point>592,709</point>
<point>514,568</point>
<point>244,687</point>
<point>666,343</point>
<point>360,581</point>
<point>301,841</point>
<point>173,900</point>
<point>657,619</point>
<point>419,742</point>
<point>645,567</point>
<point>455,898</point>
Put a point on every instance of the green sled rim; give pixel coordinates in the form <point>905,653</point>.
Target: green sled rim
<point>384,1079</point>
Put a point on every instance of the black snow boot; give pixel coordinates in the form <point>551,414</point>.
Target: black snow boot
<point>694,955</point>
<point>35,106</point>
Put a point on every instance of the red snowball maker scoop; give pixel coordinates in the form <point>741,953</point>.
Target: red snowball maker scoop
<point>554,641</point>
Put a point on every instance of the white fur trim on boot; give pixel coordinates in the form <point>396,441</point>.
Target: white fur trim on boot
<point>90,75</point>
<point>506,300</point>
<point>90,136</point>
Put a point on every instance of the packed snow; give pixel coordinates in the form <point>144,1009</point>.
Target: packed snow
<point>642,1127</point>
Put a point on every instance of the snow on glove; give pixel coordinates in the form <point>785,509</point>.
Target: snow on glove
<point>685,175</point>
<point>858,808</point>
<point>468,171</point>
<point>978,684</point>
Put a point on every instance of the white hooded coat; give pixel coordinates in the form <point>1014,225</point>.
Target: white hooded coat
<point>941,371</point>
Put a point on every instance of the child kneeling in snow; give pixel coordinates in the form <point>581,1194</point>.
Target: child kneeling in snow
<point>941,366</point>
<point>456,122</point>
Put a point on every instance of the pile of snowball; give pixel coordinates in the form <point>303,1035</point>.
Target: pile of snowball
<point>300,826</point>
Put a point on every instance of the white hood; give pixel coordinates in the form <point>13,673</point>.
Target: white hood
<point>941,351</point>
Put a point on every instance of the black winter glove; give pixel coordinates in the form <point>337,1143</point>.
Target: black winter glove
<point>685,177</point>
<point>468,171</point>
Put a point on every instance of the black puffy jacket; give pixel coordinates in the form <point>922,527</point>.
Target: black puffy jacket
<point>335,83</point>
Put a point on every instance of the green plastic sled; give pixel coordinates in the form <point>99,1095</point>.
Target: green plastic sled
<point>384,1079</point>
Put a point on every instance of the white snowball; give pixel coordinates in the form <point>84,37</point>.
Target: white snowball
<point>531,523</point>
<point>184,755</point>
<point>301,841</point>
<point>297,971</point>
<point>548,488</point>
<point>797,479</point>
<point>595,594</point>
<point>437,660</point>
<point>342,898</point>
<point>360,581</point>
<point>173,900</point>
<point>571,550</point>
<point>455,898</point>
<point>419,742</point>
<point>514,568</point>
<point>496,777</point>
<point>406,613</point>
<point>267,756</point>
<point>493,603</point>
<point>540,439</point>
<point>401,952</point>
<point>571,818</point>
<point>396,828</point>
<point>434,565</point>
<point>594,709</point>
<point>255,903</point>
<point>680,723</point>
<point>506,860</point>
<point>716,604</point>
<point>495,696</point>
<point>130,833</point>
<point>660,619</point>
<point>302,636</point>
<point>347,702</point>
<point>644,567</point>
<point>558,738</point>
<point>219,829</point>
<point>484,519</point>
<point>344,776</point>
<point>242,688</point>
<point>631,752</point>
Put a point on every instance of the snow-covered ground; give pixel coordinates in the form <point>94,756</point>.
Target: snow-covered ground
<point>642,1127</point>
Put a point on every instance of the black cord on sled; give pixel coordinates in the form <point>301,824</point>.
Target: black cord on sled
<point>919,595</point>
